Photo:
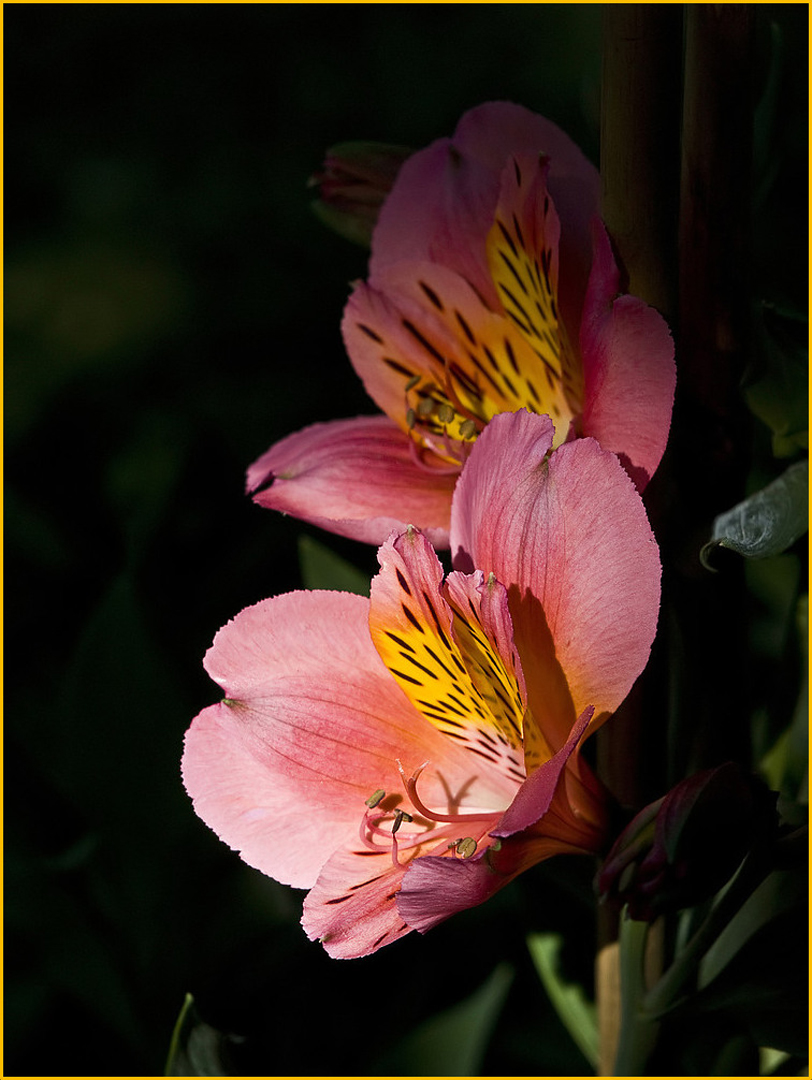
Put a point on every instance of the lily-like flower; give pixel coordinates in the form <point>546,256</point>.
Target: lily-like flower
<point>404,757</point>
<point>492,287</point>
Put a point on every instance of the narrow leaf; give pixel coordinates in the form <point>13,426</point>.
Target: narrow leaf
<point>577,1014</point>
<point>452,1043</point>
<point>196,1049</point>
<point>776,382</point>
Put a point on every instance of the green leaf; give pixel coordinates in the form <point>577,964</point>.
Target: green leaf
<point>769,1060</point>
<point>762,990</point>
<point>776,383</point>
<point>785,766</point>
<point>782,892</point>
<point>568,999</point>
<point>323,569</point>
<point>196,1049</point>
<point>453,1043</point>
<point>768,522</point>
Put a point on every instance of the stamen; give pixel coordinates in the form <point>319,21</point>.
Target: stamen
<point>364,830</point>
<point>375,798</point>
<point>395,860</point>
<point>423,810</point>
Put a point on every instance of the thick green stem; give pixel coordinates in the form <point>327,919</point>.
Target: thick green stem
<point>638,1031</point>
<point>640,113</point>
<point>640,116</point>
<point>707,462</point>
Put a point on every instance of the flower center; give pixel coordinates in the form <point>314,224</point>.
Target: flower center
<point>451,832</point>
<point>439,422</point>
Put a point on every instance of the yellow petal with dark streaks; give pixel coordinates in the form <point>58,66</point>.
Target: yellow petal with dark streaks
<point>468,697</point>
<point>522,251</point>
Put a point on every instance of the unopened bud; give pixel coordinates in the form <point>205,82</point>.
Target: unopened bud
<point>353,182</point>
<point>682,848</point>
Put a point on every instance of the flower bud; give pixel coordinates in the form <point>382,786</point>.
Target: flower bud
<point>682,848</point>
<point>354,181</point>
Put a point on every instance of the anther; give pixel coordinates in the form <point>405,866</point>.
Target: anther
<point>468,429</point>
<point>375,798</point>
<point>400,816</point>
<point>445,414</point>
<point>425,407</point>
<point>411,418</point>
<point>466,847</point>
<point>412,383</point>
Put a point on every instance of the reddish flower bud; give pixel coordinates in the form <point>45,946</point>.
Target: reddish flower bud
<point>682,848</point>
<point>353,183</point>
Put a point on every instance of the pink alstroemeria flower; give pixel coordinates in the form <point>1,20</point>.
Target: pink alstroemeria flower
<point>492,287</point>
<point>406,756</point>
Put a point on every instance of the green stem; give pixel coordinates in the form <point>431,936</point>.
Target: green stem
<point>638,1030</point>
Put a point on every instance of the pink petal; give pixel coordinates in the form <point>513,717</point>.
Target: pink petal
<point>492,132</point>
<point>629,370</point>
<point>569,538</point>
<point>434,888</point>
<point>312,724</point>
<point>351,909</point>
<point>534,797</point>
<point>439,209</point>
<point>353,477</point>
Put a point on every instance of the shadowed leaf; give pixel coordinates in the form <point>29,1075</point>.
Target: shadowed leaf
<point>323,569</point>
<point>453,1043</point>
<point>769,521</point>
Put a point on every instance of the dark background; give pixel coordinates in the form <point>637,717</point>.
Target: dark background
<point>172,308</point>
